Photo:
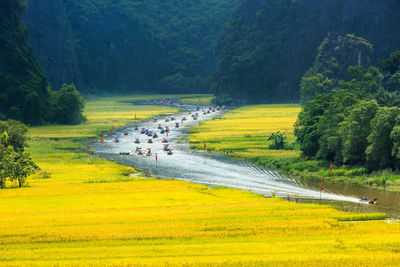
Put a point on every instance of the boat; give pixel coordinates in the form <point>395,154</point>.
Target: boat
<point>143,131</point>
<point>162,131</point>
<point>172,118</point>
<point>368,201</point>
<point>166,147</point>
<point>166,120</point>
<point>176,124</point>
<point>184,118</point>
<point>167,130</point>
<point>116,140</point>
<point>137,141</point>
<point>159,126</point>
<point>124,153</point>
<point>155,135</point>
<point>170,152</point>
<point>126,132</point>
<point>164,140</point>
<point>136,127</point>
<point>148,152</point>
<point>150,141</point>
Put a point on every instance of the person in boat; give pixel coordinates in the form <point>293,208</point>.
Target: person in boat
<point>166,147</point>
<point>143,131</point>
<point>126,132</point>
<point>136,127</point>
<point>150,141</point>
<point>137,141</point>
<point>167,129</point>
<point>166,120</point>
<point>159,126</point>
<point>148,152</point>
<point>169,152</point>
<point>155,119</point>
<point>164,140</point>
<point>176,124</point>
<point>116,139</point>
<point>162,131</point>
<point>155,135</point>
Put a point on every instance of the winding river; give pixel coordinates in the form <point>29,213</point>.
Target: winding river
<point>220,170</point>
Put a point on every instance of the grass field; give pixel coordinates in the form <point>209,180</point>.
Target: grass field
<point>243,132</point>
<point>84,211</point>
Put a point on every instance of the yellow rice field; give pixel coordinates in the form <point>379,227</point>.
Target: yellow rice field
<point>92,212</point>
<point>243,132</point>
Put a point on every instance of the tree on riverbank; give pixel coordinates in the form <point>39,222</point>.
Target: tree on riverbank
<point>344,123</point>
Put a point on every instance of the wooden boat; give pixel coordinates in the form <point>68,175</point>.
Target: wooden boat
<point>369,201</point>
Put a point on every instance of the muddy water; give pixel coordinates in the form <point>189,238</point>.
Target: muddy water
<point>219,170</point>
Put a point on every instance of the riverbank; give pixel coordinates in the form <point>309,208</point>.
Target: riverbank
<point>242,133</point>
<point>82,210</point>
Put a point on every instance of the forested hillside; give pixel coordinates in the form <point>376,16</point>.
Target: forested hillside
<point>23,86</point>
<point>128,45</point>
<point>269,45</point>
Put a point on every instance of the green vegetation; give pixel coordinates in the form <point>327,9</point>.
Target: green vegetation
<point>67,106</point>
<point>128,46</point>
<point>268,45</point>
<point>23,92</point>
<point>15,164</point>
<point>25,95</point>
<point>354,120</point>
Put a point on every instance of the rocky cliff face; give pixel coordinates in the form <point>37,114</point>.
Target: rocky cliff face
<point>51,36</point>
<point>23,86</point>
<point>128,45</point>
<point>269,45</point>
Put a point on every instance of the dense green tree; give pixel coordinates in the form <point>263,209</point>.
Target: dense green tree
<point>16,134</point>
<point>354,131</point>
<point>380,145</point>
<point>67,106</point>
<point>330,142</point>
<point>391,64</point>
<point>306,127</point>
<point>20,167</point>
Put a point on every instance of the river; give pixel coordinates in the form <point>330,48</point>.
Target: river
<point>220,170</point>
